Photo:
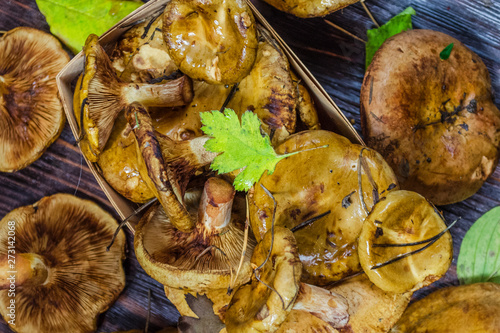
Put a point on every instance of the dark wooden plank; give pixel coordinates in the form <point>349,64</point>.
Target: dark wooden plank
<point>336,60</point>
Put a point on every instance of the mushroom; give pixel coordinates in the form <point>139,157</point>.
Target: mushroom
<point>433,120</point>
<point>63,275</point>
<point>205,260</point>
<point>457,309</point>
<point>167,165</point>
<point>304,322</point>
<point>310,8</point>
<point>102,95</point>
<point>371,310</point>
<point>31,114</point>
<point>324,195</point>
<point>264,303</point>
<point>404,218</point>
<point>306,111</point>
<point>214,41</point>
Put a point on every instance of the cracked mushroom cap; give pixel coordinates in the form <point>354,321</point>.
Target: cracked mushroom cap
<point>317,182</point>
<point>207,257</point>
<point>433,120</point>
<point>31,114</point>
<point>310,8</point>
<point>66,278</point>
<point>214,41</point>
<point>264,303</point>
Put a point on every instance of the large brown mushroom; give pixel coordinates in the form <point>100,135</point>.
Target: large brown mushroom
<point>332,187</point>
<point>433,120</point>
<point>214,41</point>
<point>31,114</point>
<point>59,269</point>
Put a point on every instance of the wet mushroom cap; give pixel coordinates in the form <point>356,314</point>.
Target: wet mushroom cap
<point>457,309</point>
<point>31,114</point>
<point>310,8</point>
<point>404,217</point>
<point>214,41</point>
<point>315,182</point>
<point>70,235</point>
<point>433,120</point>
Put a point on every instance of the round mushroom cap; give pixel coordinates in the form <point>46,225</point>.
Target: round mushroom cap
<point>321,181</point>
<point>371,310</point>
<point>263,304</point>
<point>213,41</point>
<point>404,217</point>
<point>310,8</point>
<point>433,120</point>
<point>84,279</point>
<point>196,260</point>
<point>457,309</point>
<point>31,114</point>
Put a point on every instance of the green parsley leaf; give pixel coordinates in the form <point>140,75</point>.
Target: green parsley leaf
<point>445,54</point>
<point>377,37</point>
<point>243,146</point>
<point>479,257</point>
<point>72,21</point>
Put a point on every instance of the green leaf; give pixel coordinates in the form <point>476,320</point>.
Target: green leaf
<point>479,258</point>
<point>377,37</point>
<point>72,21</point>
<point>445,54</point>
<point>242,146</point>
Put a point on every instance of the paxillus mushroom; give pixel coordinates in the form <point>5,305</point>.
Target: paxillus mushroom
<point>62,275</point>
<point>102,95</point>
<point>310,8</point>
<point>31,114</point>
<point>404,244</point>
<point>323,195</point>
<point>214,41</point>
<point>432,119</point>
<point>206,260</point>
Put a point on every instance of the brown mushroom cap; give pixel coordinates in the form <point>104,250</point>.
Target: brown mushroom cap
<point>371,310</point>
<point>214,41</point>
<point>203,259</point>
<point>312,183</point>
<point>310,8</point>
<point>458,309</point>
<point>70,236</point>
<point>263,304</point>
<point>31,114</point>
<point>433,120</point>
<point>404,217</point>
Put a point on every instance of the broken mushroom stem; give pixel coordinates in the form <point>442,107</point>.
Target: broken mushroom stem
<point>216,204</point>
<point>23,269</point>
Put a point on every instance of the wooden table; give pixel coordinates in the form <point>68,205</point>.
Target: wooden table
<point>336,60</point>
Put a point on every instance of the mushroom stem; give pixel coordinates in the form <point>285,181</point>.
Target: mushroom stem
<point>23,269</point>
<point>176,92</point>
<point>326,305</point>
<point>216,203</point>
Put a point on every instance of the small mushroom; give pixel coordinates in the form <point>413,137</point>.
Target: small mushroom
<point>167,165</point>
<point>205,260</point>
<point>404,244</point>
<point>31,114</point>
<point>310,8</point>
<point>264,303</point>
<point>102,95</point>
<point>433,120</point>
<point>324,195</point>
<point>456,309</point>
<point>371,310</point>
<point>63,275</point>
<point>214,41</point>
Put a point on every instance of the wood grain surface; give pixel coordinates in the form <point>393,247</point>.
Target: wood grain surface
<point>336,60</point>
